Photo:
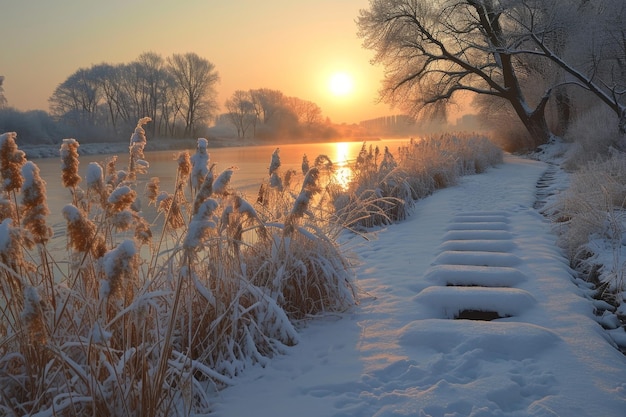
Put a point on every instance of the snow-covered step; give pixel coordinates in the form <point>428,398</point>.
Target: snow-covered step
<point>478,226</point>
<point>478,245</point>
<point>501,213</point>
<point>496,339</point>
<point>479,258</point>
<point>477,235</point>
<point>468,275</point>
<point>481,218</point>
<point>451,302</point>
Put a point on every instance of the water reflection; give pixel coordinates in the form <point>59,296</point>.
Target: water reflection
<point>253,163</point>
<point>342,162</point>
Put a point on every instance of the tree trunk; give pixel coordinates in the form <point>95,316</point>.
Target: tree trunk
<point>563,111</point>
<point>538,128</point>
<point>534,122</point>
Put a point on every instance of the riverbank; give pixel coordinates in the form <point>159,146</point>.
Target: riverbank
<point>52,151</point>
<point>477,246</point>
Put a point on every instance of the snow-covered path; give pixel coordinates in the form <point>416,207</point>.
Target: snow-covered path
<point>478,246</point>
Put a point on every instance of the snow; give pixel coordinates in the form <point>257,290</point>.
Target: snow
<point>95,174</point>
<point>480,245</point>
<point>199,163</point>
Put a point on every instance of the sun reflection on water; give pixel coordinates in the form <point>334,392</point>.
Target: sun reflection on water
<point>341,161</point>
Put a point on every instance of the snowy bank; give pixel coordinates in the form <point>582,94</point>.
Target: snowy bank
<point>401,352</point>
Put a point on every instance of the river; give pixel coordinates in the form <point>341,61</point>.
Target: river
<point>252,163</point>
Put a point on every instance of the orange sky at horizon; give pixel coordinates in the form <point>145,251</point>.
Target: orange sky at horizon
<point>288,45</point>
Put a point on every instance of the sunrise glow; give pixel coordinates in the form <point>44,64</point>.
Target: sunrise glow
<point>340,84</point>
<point>328,66</point>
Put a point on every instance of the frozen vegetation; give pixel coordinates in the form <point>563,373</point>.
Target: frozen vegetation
<point>139,322</point>
<point>468,308</point>
<point>415,288</point>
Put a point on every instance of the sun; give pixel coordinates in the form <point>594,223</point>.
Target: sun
<point>340,84</point>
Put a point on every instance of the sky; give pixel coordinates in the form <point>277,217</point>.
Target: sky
<point>290,45</point>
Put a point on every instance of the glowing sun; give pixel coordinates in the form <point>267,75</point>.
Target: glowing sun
<point>340,84</point>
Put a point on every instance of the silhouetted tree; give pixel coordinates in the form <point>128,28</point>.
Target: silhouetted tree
<point>75,101</point>
<point>307,112</point>
<point>434,49</point>
<point>267,103</point>
<point>241,112</point>
<point>197,78</point>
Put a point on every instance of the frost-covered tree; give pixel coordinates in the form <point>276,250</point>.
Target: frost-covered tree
<point>76,99</point>
<point>593,55</point>
<point>307,112</point>
<point>177,94</point>
<point>432,50</point>
<point>241,112</point>
<point>267,103</point>
<point>197,79</point>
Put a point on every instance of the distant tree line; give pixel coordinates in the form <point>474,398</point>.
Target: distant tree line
<point>178,93</point>
<point>104,102</point>
<point>263,113</point>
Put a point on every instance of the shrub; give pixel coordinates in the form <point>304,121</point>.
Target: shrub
<point>594,133</point>
<point>591,210</point>
<point>384,193</point>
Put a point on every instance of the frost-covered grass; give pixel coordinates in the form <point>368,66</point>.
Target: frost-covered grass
<point>384,188</point>
<point>150,316</point>
<point>590,219</point>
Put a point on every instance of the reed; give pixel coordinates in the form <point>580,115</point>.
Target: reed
<point>143,322</point>
<point>384,192</point>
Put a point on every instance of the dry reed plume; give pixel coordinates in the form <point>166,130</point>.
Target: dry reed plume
<point>136,328</point>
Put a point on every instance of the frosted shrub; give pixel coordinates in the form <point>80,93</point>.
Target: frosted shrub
<point>296,257</point>
<point>126,329</point>
<point>594,132</point>
<point>384,193</point>
<point>592,210</point>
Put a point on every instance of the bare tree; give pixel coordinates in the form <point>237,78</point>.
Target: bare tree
<point>596,60</point>
<point>241,112</point>
<point>107,76</point>
<point>76,99</point>
<point>307,112</point>
<point>197,78</point>
<point>3,100</point>
<point>154,80</point>
<point>267,103</point>
<point>433,49</point>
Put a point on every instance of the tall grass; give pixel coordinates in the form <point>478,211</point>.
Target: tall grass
<point>148,317</point>
<point>591,212</point>
<point>383,192</point>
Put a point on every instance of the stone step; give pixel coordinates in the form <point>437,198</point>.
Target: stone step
<point>478,235</point>
<point>451,302</point>
<point>478,226</point>
<point>478,245</point>
<point>479,258</point>
<point>466,275</point>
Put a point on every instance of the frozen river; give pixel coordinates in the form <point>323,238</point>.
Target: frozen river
<point>252,161</point>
